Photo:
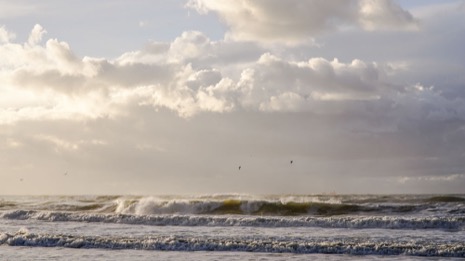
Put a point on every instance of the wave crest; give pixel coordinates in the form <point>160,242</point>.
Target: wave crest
<point>157,206</point>
<point>278,205</point>
<point>353,222</point>
<point>178,243</point>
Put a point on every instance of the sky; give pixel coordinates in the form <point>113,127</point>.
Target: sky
<point>172,96</point>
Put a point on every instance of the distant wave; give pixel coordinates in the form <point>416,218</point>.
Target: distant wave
<point>456,223</point>
<point>7,205</point>
<point>178,243</point>
<point>445,199</point>
<point>286,206</point>
<point>280,205</point>
<point>238,207</point>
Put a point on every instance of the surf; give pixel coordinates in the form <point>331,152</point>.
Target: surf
<point>247,244</point>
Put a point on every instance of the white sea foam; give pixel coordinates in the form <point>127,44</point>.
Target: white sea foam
<point>151,205</point>
<point>353,222</point>
<point>403,225</point>
<point>185,243</point>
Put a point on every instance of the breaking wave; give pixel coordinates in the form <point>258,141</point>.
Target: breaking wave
<point>291,205</point>
<point>456,223</point>
<point>185,243</point>
<point>432,225</point>
<point>287,206</point>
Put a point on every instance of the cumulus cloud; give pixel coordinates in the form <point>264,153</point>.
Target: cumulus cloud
<point>47,81</point>
<point>196,48</point>
<point>340,117</point>
<point>384,14</point>
<point>5,36</point>
<point>36,35</point>
<point>66,86</point>
<point>187,77</point>
<point>298,21</point>
<point>36,59</point>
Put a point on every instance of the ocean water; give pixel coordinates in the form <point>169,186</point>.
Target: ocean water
<point>233,227</point>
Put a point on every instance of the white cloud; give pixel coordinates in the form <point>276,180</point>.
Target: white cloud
<point>32,59</point>
<point>177,76</point>
<point>303,82</point>
<point>287,101</point>
<point>189,45</point>
<point>36,35</point>
<point>5,36</point>
<point>297,21</point>
<point>384,14</point>
<point>374,99</point>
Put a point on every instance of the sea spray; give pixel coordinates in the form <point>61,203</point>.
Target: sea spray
<point>401,225</point>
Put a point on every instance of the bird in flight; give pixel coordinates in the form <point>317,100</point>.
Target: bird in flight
<point>239,167</point>
<point>292,161</point>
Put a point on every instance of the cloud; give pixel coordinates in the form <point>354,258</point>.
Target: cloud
<point>35,59</point>
<point>188,76</point>
<point>5,36</point>
<point>374,102</point>
<point>296,21</point>
<point>269,84</point>
<point>160,76</point>
<point>36,35</point>
<point>193,75</point>
<point>384,14</point>
<point>196,48</point>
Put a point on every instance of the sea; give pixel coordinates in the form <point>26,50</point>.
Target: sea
<point>233,227</point>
